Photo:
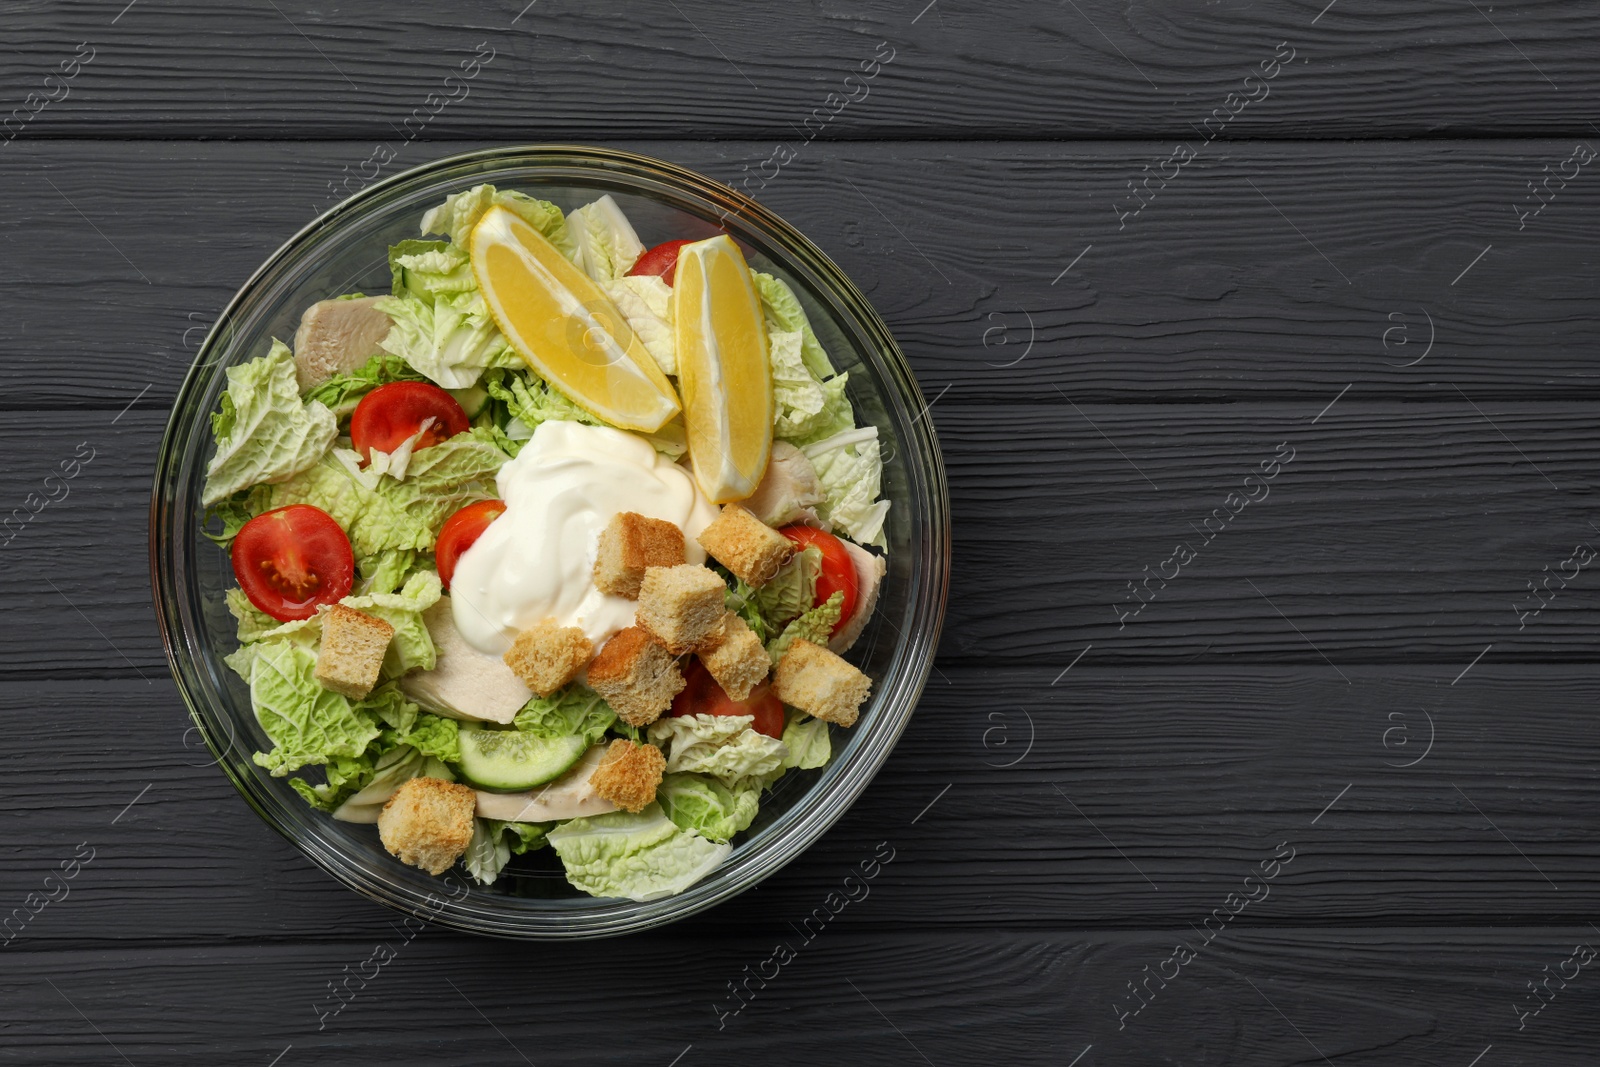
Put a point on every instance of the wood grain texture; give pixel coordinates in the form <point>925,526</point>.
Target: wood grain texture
<point>1106,800</point>
<point>1350,669</point>
<point>1210,293</point>
<point>1011,69</point>
<point>1253,999</point>
<point>1399,533</point>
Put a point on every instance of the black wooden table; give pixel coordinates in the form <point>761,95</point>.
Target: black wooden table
<point>1260,340</point>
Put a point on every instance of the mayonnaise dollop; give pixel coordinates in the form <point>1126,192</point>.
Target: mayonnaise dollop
<point>536,561</point>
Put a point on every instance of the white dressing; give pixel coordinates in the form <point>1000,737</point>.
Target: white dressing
<point>536,561</point>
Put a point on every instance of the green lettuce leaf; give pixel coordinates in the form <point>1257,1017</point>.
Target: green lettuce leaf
<point>639,857</point>
<point>532,401</point>
<point>815,626</point>
<point>494,843</point>
<point>706,806</point>
<point>646,302</point>
<point>459,213</point>
<point>605,242</point>
<point>355,789</point>
<point>741,600</point>
<point>850,469</point>
<point>341,393</point>
<point>573,709</point>
<point>432,735</point>
<point>430,268</point>
<point>799,400</point>
<point>449,338</point>
<point>784,313</point>
<point>836,416</point>
<point>486,854</point>
<point>264,432</point>
<point>807,741</point>
<point>388,570</point>
<point>343,776</point>
<point>233,513</point>
<point>307,723</point>
<point>723,746</point>
<point>307,633</point>
<point>391,708</point>
<point>254,624</point>
<point>524,836</point>
<point>792,589</point>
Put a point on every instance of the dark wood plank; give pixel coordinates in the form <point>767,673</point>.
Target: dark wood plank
<point>1108,799</point>
<point>1210,293</point>
<point>1006,69</point>
<point>1073,797</point>
<point>1399,533</point>
<point>1250,999</point>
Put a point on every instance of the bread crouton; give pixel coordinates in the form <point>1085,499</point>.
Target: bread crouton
<point>680,605</point>
<point>547,656</point>
<point>629,774</point>
<point>637,676</point>
<point>428,823</point>
<point>630,543</point>
<point>745,545</point>
<point>735,657</point>
<point>353,647</point>
<point>819,683</point>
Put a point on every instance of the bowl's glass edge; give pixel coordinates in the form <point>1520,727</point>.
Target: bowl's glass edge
<point>930,592</point>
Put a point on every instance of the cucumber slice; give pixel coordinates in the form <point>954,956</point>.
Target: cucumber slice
<point>473,399</point>
<point>510,761</point>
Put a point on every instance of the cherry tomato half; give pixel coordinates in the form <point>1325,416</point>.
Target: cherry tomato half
<point>291,560</point>
<point>838,572</point>
<point>662,260</point>
<point>701,695</point>
<point>460,531</point>
<point>391,413</point>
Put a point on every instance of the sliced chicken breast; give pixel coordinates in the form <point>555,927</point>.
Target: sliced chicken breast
<point>337,337</point>
<point>789,491</point>
<point>568,797</point>
<point>465,683</point>
<point>870,569</point>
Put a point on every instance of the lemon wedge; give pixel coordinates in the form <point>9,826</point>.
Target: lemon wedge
<point>723,369</point>
<point>566,328</point>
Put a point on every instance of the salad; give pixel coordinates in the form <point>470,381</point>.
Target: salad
<point>557,544</point>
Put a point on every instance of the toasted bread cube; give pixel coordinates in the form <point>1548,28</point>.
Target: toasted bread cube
<point>820,683</point>
<point>637,676</point>
<point>630,543</point>
<point>353,647</point>
<point>735,657</point>
<point>428,823</point>
<point>680,605</point>
<point>546,656</point>
<point>745,545</point>
<point>629,774</point>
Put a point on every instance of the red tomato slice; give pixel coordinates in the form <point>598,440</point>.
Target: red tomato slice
<point>838,572</point>
<point>662,260</point>
<point>293,559</point>
<point>701,695</point>
<point>460,531</point>
<point>391,413</point>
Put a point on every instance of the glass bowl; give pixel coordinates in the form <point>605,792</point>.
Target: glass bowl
<point>345,250</point>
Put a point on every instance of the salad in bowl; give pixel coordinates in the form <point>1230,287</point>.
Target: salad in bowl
<point>562,543</point>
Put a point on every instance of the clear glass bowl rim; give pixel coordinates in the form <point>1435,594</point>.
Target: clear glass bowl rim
<point>172,510</point>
